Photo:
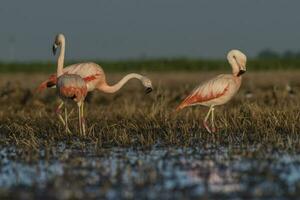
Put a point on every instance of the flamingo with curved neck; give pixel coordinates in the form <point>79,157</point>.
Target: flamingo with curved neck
<point>104,87</point>
<point>218,90</point>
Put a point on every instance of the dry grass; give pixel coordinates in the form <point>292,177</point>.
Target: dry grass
<point>130,118</point>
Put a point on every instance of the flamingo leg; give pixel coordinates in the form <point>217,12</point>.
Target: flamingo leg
<point>66,120</point>
<point>58,109</point>
<point>79,118</point>
<point>213,129</point>
<point>205,120</point>
<point>71,112</point>
<point>82,119</point>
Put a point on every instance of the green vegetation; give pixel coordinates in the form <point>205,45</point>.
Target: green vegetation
<point>131,118</point>
<point>179,64</point>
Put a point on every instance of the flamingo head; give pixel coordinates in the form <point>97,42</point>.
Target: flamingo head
<point>147,84</point>
<point>59,40</point>
<point>238,61</point>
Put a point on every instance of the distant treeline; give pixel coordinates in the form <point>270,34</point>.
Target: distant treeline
<point>270,54</point>
<point>266,60</point>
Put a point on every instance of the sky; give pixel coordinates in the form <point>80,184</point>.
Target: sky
<point>133,29</point>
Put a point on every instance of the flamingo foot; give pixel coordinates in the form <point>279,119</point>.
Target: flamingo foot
<point>206,127</point>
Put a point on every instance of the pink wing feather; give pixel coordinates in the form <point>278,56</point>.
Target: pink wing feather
<point>88,71</point>
<point>207,91</point>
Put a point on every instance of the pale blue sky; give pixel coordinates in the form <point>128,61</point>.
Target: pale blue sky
<point>122,29</point>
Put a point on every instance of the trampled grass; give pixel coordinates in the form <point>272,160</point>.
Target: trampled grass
<point>264,112</point>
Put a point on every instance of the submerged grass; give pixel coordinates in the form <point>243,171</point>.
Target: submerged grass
<point>265,112</point>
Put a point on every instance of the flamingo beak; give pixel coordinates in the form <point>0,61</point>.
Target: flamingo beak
<point>242,71</point>
<point>148,90</point>
<point>54,48</point>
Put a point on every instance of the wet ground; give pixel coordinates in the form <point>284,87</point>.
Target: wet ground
<point>67,172</point>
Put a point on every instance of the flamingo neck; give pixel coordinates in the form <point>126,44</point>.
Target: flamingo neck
<point>116,87</point>
<point>234,65</point>
<point>60,60</point>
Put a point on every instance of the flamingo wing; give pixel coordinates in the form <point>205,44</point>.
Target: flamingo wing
<point>207,91</point>
<point>88,71</point>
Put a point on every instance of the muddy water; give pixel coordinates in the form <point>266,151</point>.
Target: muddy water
<point>165,173</point>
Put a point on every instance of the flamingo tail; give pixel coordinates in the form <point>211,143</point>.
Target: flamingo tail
<point>50,82</point>
<point>44,85</point>
<point>181,106</point>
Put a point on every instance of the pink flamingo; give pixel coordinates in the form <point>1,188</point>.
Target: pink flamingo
<point>69,86</point>
<point>218,90</point>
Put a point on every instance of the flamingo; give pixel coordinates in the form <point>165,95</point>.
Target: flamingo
<point>218,90</point>
<point>69,86</point>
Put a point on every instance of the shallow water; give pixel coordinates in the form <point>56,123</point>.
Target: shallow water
<point>168,173</point>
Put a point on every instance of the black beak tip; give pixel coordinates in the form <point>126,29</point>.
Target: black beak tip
<point>148,90</point>
<point>54,50</point>
<point>241,72</point>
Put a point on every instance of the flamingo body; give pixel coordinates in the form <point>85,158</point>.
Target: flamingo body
<point>216,91</point>
<point>71,86</point>
<point>91,73</point>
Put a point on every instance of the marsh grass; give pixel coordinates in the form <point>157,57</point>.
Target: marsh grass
<point>269,118</point>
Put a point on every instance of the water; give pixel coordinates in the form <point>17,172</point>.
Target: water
<point>165,173</point>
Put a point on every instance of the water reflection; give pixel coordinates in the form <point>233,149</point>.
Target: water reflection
<point>159,172</point>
